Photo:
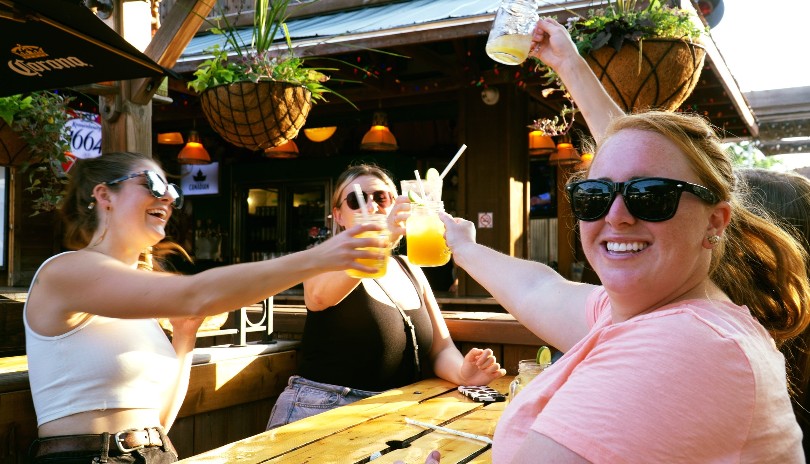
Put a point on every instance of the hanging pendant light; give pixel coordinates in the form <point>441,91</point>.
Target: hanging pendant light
<point>319,134</point>
<point>194,152</point>
<point>170,138</point>
<point>540,143</point>
<point>565,155</point>
<point>586,161</point>
<point>287,149</point>
<point>379,137</point>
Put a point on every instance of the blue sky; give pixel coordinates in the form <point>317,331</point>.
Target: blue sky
<point>765,42</point>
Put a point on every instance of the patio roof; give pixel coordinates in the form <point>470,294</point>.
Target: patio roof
<point>331,27</point>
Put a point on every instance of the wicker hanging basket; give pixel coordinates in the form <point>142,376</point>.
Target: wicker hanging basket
<point>13,149</point>
<point>256,115</point>
<point>650,74</point>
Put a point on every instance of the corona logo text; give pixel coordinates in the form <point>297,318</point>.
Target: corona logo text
<point>36,68</point>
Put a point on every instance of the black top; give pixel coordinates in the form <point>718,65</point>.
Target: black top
<point>363,343</point>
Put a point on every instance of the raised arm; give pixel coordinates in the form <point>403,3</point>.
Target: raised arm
<point>550,306</point>
<point>552,45</point>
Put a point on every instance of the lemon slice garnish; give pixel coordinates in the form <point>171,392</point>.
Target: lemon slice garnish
<point>543,356</point>
<point>414,197</point>
<point>432,174</point>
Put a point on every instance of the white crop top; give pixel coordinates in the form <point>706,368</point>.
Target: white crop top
<point>104,363</point>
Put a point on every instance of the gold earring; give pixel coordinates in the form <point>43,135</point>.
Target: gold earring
<point>713,239</point>
<point>91,205</point>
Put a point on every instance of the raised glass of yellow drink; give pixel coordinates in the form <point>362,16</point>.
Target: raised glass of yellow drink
<point>511,35</point>
<point>380,264</point>
<point>425,235</point>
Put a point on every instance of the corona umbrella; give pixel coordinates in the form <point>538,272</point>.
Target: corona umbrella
<point>50,44</point>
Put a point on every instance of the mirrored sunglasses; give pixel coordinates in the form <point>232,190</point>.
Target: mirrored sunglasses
<point>156,186</point>
<point>383,198</point>
<point>652,199</point>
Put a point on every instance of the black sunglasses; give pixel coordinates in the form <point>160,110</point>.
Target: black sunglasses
<point>156,186</point>
<point>383,198</point>
<point>652,199</point>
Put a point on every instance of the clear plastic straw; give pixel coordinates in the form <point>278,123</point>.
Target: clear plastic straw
<point>361,200</point>
<point>453,161</point>
<point>419,183</point>
<point>449,430</point>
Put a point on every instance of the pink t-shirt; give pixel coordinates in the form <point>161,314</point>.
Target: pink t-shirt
<point>695,381</point>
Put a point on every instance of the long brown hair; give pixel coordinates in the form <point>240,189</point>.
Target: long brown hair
<point>81,220</point>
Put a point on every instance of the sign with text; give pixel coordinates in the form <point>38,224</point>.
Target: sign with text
<point>85,134</point>
<point>199,179</point>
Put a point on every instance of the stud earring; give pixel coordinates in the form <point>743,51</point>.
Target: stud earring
<point>713,239</point>
<point>91,205</point>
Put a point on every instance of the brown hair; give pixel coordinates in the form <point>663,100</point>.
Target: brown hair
<point>757,264</point>
<point>81,221</point>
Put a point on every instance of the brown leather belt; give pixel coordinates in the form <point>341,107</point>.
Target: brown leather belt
<point>125,441</point>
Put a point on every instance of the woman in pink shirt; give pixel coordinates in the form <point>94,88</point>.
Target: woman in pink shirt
<point>673,358</point>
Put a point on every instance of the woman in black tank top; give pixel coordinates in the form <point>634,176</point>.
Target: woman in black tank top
<point>364,336</point>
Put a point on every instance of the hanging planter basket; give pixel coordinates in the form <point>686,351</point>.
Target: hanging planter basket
<point>13,149</point>
<point>650,74</point>
<point>256,115</point>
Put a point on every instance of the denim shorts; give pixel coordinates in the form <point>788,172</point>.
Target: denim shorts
<point>303,398</point>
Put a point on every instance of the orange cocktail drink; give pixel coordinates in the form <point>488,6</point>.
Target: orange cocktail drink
<point>425,233</point>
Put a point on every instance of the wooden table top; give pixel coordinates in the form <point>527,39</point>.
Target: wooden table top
<point>375,429</point>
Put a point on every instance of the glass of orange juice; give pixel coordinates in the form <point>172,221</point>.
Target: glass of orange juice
<point>425,232</point>
<point>380,264</point>
<point>511,35</point>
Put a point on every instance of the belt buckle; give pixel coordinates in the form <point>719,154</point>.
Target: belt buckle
<point>119,440</point>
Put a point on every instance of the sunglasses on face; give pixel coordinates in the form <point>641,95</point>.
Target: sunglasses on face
<point>156,186</point>
<point>652,199</point>
<point>383,198</point>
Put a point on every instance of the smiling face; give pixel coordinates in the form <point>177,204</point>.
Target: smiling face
<point>344,214</point>
<point>135,206</point>
<point>646,264</point>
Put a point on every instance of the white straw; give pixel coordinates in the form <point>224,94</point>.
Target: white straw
<point>450,431</point>
<point>419,183</point>
<point>453,161</point>
<point>361,200</point>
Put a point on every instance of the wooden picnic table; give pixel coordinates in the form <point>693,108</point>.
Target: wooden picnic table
<point>374,429</point>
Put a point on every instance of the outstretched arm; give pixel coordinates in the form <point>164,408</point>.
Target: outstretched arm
<point>550,306</point>
<point>552,45</point>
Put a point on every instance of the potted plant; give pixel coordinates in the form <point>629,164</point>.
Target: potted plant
<point>34,137</point>
<point>645,57</point>
<point>260,99</point>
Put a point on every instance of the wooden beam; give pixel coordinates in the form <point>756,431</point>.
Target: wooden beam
<point>175,33</point>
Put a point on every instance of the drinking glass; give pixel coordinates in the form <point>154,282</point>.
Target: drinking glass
<point>511,35</point>
<point>425,232</point>
<point>528,369</point>
<point>433,188</point>
<point>380,264</point>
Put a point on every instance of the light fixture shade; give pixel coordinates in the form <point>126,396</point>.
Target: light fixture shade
<point>540,143</point>
<point>379,137</point>
<point>287,149</point>
<point>565,155</point>
<point>170,138</point>
<point>194,152</point>
<point>319,134</point>
<point>586,161</point>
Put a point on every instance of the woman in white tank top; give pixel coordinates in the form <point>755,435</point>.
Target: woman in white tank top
<point>103,375</point>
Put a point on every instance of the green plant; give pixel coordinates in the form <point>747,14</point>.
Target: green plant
<point>622,21</point>
<point>40,119</point>
<point>256,61</point>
